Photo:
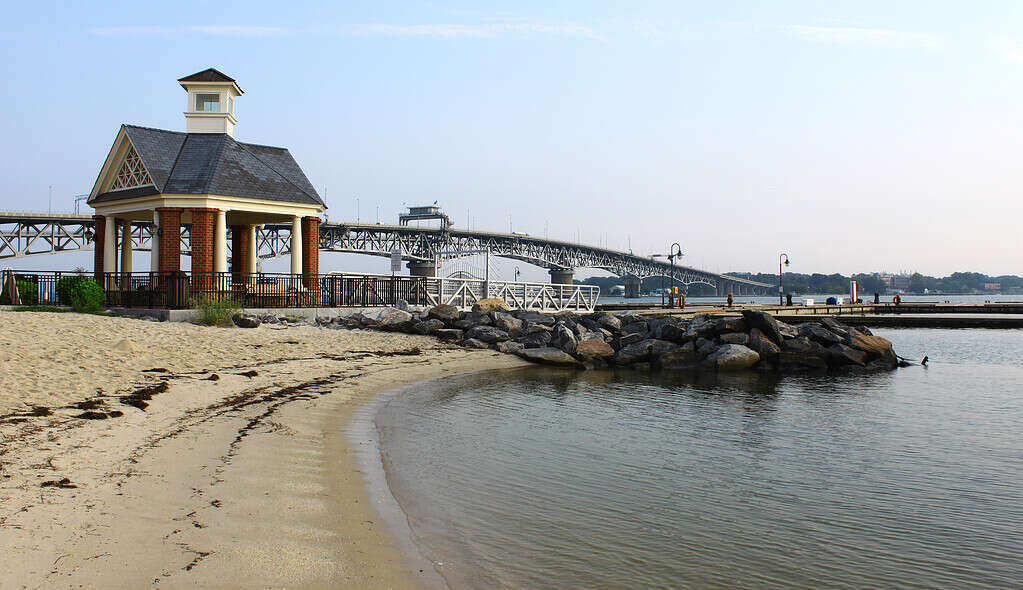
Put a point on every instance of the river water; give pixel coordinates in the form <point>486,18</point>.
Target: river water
<point>540,478</point>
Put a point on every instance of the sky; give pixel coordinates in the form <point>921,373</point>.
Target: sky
<point>853,136</point>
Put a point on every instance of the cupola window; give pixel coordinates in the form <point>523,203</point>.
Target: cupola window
<point>207,102</point>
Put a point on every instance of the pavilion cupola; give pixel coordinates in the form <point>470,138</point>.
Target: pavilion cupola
<point>211,97</point>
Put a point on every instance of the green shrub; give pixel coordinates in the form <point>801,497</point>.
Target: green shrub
<point>65,286</point>
<point>214,311</point>
<point>87,295</point>
<point>29,293</point>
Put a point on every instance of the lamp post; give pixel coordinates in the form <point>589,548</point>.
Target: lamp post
<point>662,278</point>
<point>517,274</point>
<point>674,252</point>
<point>781,257</point>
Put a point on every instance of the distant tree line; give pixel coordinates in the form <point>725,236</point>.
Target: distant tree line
<point>817,283</point>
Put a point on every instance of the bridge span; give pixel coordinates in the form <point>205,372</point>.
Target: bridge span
<point>424,249</point>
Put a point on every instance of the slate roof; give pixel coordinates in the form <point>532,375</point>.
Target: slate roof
<point>208,75</point>
<point>215,163</point>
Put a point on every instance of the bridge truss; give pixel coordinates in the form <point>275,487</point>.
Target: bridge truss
<point>27,234</point>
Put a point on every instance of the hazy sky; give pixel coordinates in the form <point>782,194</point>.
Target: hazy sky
<point>855,136</point>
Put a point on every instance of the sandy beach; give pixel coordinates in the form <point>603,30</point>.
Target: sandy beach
<point>138,454</point>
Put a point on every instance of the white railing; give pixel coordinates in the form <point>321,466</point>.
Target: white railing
<point>533,296</point>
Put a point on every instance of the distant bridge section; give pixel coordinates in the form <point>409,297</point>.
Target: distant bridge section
<point>424,249</point>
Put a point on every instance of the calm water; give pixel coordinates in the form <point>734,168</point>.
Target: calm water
<point>819,299</point>
<point>545,479</point>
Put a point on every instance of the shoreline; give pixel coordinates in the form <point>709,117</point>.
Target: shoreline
<point>239,480</point>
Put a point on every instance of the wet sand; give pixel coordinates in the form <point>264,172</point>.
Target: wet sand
<point>172,477</point>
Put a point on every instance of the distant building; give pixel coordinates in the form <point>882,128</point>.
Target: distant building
<point>895,282</point>
<point>992,286</point>
<point>425,213</point>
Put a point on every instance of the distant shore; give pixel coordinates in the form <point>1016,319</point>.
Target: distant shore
<point>135,453</point>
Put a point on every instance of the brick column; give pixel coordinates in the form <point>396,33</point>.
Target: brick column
<point>311,251</point>
<point>169,258</point>
<point>239,252</point>
<point>202,235</point>
<point>98,239</point>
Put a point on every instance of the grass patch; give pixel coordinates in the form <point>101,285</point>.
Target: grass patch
<point>214,312</point>
<point>48,308</point>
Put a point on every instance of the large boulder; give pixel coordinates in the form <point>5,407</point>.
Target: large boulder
<point>796,361</point>
<point>428,326</point>
<point>643,350</point>
<point>701,326</point>
<point>732,357</point>
<point>624,340</point>
<point>733,324</point>
<point>564,338</point>
<point>833,325</point>
<point>509,347</point>
<point>535,317</point>
<point>684,357</point>
<point>530,328</point>
<point>641,327</point>
<point>538,339</point>
<point>841,355</point>
<point>489,305</point>
<point>507,322</point>
<point>445,313</point>
<point>872,345</point>
<point>803,345</point>
<point>488,334</point>
<point>550,356</point>
<point>475,343</point>
<point>764,322</point>
<point>448,334</point>
<point>610,322</point>
<point>667,328</point>
<point>819,334</point>
<point>246,320</point>
<point>393,319</point>
<point>594,348</point>
<point>763,345</point>
<point>734,338</point>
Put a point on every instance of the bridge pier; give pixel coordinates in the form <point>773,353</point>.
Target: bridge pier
<point>562,276</point>
<point>422,268</point>
<point>632,287</point>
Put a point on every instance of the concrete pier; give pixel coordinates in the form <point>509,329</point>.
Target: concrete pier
<point>632,287</point>
<point>422,269</point>
<point>562,276</point>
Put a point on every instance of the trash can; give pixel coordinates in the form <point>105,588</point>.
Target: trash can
<point>178,290</point>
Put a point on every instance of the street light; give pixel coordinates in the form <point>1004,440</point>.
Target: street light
<point>785,257</point>
<point>675,252</point>
<point>516,274</point>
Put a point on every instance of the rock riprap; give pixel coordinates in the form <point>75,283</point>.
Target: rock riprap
<point>755,340</point>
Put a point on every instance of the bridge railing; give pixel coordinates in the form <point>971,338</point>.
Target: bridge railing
<point>177,290</point>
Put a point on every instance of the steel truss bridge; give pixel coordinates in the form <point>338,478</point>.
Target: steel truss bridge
<point>32,234</point>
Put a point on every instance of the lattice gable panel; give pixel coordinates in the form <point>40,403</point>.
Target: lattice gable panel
<point>132,172</point>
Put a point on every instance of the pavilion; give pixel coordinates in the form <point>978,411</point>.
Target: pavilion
<point>206,178</point>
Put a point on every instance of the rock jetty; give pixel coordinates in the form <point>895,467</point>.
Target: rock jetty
<point>755,340</point>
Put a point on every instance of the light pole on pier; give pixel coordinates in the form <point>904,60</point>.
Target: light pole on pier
<point>785,257</point>
<point>674,252</point>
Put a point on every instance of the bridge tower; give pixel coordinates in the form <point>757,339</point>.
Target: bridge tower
<point>562,276</point>
<point>632,287</point>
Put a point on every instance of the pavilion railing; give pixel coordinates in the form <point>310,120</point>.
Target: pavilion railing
<point>179,290</point>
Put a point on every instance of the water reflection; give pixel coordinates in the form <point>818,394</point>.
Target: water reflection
<point>546,478</point>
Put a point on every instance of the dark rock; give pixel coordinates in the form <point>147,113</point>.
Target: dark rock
<point>270,319</point>
<point>640,327</point>
<point>445,313</point>
<point>840,354</point>
<point>564,338</point>
<point>590,324</point>
<point>610,322</point>
<point>819,334</point>
<point>626,317</point>
<point>535,317</point>
<point>539,339</point>
<point>667,328</point>
<point>509,347</point>
<point>550,356</point>
<point>322,321</point>
<point>763,345</point>
<point>507,322</point>
<point>448,334</point>
<point>530,328</point>
<point>428,326</point>
<point>628,339</point>
<point>803,345</point>
<point>733,324</point>
<point>462,324</point>
<point>764,322</point>
<point>474,343</point>
<point>488,334</point>
<point>685,357</point>
<point>740,338</point>
<point>643,350</point>
<point>732,357</point>
<point>787,331</point>
<point>704,346</point>
<point>701,326</point>
<point>833,325</point>
<point>479,319</point>
<point>788,361</point>
<point>245,320</point>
